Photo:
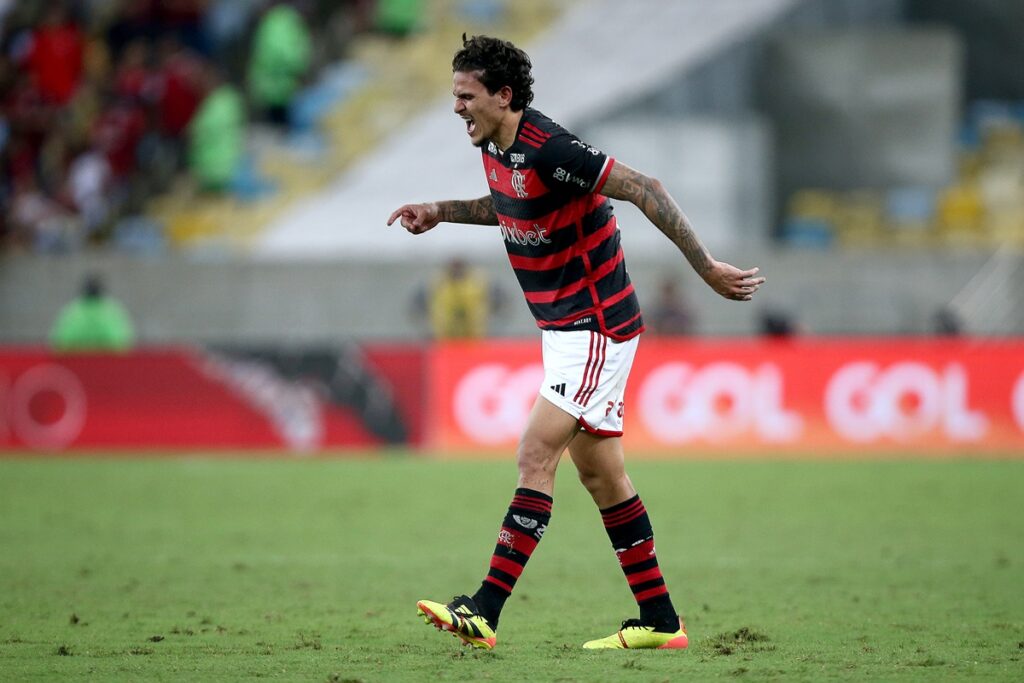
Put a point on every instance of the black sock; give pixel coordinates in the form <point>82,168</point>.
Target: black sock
<point>629,529</point>
<point>523,527</point>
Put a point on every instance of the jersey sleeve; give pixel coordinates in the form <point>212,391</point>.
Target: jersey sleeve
<point>567,164</point>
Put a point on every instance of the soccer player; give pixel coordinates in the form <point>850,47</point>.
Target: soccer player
<point>549,195</point>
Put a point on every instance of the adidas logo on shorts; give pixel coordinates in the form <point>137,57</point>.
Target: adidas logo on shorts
<point>559,388</point>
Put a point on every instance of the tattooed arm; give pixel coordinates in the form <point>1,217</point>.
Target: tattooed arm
<point>418,218</point>
<point>650,196</point>
<point>476,211</point>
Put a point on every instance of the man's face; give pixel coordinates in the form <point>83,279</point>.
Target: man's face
<point>481,110</point>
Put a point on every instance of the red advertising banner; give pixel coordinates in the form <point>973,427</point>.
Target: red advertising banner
<point>744,397</point>
<point>738,398</point>
<point>174,399</point>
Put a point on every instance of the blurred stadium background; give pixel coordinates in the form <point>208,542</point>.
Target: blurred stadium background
<point>224,169</point>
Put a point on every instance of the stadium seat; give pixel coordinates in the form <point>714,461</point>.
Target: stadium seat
<point>909,214</point>
<point>960,212</point>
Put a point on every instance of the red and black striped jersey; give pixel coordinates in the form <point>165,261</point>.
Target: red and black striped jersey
<point>560,233</point>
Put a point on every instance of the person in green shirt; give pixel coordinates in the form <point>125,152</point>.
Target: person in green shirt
<point>398,17</point>
<point>216,135</point>
<point>282,54</point>
<point>93,321</point>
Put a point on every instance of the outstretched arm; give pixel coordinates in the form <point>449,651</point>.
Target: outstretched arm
<point>651,197</point>
<point>418,218</point>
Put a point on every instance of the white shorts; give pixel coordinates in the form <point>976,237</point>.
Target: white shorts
<point>585,375</point>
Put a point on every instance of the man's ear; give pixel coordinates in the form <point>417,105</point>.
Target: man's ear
<point>505,95</point>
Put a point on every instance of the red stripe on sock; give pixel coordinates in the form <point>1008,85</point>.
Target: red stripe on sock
<point>531,504</point>
<point>637,553</point>
<point>524,509</point>
<point>499,583</point>
<point>627,514</point>
<point>651,593</point>
<point>521,543</point>
<point>506,565</point>
<point>644,576</point>
<point>627,518</point>
<point>532,499</point>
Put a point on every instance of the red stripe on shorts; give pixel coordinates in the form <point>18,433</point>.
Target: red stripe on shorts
<point>602,354</point>
<point>586,370</point>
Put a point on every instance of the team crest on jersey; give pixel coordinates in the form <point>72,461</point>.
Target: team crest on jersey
<point>493,176</point>
<point>519,184</point>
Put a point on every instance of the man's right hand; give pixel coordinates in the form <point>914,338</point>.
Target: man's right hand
<point>417,218</point>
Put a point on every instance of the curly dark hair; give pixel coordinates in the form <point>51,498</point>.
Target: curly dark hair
<point>501,63</point>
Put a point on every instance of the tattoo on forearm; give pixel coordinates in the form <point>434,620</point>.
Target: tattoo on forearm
<point>659,207</point>
<point>476,211</point>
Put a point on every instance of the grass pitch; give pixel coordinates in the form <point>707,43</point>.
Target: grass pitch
<point>209,570</point>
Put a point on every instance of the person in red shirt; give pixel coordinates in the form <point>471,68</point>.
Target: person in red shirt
<point>117,132</point>
<point>56,55</point>
<point>133,78</point>
<point>180,85</point>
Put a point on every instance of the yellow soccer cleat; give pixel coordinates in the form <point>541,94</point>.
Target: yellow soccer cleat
<point>461,618</point>
<point>635,636</point>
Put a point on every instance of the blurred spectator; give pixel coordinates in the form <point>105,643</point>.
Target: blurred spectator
<point>226,25</point>
<point>55,54</point>
<point>51,161</point>
<point>158,158</point>
<point>671,313</point>
<point>217,136</point>
<point>134,20</point>
<point>281,58</point>
<point>398,17</point>
<point>132,79</point>
<point>88,185</point>
<point>458,304</point>
<point>183,19</point>
<point>18,166</point>
<point>93,321</point>
<point>947,323</point>
<point>39,222</point>
<point>778,324</point>
<point>178,86</point>
<point>117,131</point>
<point>29,115</point>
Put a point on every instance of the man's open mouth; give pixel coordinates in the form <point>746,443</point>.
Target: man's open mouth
<point>470,124</point>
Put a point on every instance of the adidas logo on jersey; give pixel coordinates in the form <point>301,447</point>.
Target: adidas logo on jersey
<point>558,388</point>
<point>493,176</point>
